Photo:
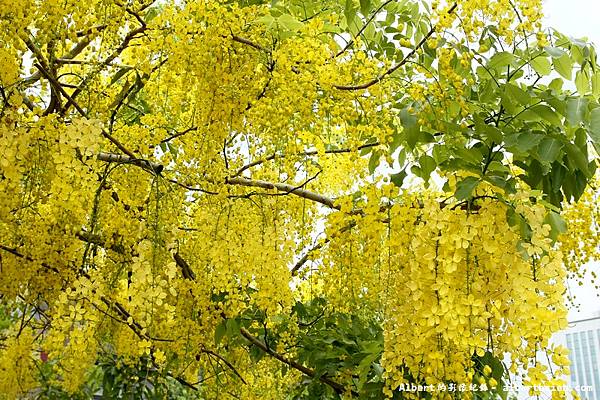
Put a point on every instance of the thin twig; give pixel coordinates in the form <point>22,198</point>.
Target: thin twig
<point>392,69</point>
<point>305,153</point>
<point>351,42</point>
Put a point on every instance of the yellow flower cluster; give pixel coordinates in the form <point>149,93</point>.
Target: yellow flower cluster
<point>451,283</point>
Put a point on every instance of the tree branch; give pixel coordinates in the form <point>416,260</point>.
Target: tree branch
<point>305,153</point>
<point>284,187</point>
<point>245,41</point>
<point>339,388</point>
<point>128,38</point>
<point>398,65</point>
<point>351,42</point>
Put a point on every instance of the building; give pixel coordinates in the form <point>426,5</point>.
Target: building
<point>582,338</point>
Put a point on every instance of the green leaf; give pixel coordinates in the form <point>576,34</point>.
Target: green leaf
<point>576,110</point>
<point>596,84</point>
<point>398,179</point>
<point>465,187</point>
<point>527,141</point>
<point>469,155</point>
<point>541,65</point>
<point>119,74</point>
<point>493,133</point>
<point>582,82</point>
<point>220,331</point>
<point>555,52</point>
<point>268,20</point>
<point>501,59</point>
<point>557,224</point>
<point>518,94</point>
<point>374,161</point>
<point>547,113</point>
<point>349,12</point>
<point>578,158</point>
<point>564,66</point>
<point>289,22</point>
<point>516,220</point>
<point>365,6</point>
<point>428,165</point>
<point>594,131</point>
<point>556,84</point>
<point>232,327</point>
<point>549,149</point>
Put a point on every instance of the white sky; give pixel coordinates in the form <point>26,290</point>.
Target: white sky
<point>578,19</point>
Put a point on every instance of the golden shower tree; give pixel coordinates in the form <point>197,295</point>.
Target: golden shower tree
<point>289,199</point>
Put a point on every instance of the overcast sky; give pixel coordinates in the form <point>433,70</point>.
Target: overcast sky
<point>578,19</point>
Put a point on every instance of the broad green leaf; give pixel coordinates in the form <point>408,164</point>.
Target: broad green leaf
<point>428,165</point>
<point>493,133</point>
<point>470,155</point>
<point>365,6</point>
<point>594,131</point>
<point>374,161</point>
<point>582,82</point>
<point>564,66</point>
<point>578,158</point>
<point>596,84</point>
<point>465,187</point>
<point>527,141</point>
<point>398,179</point>
<point>119,74</point>
<point>268,20</point>
<point>555,52</point>
<point>541,65</point>
<point>518,94</point>
<point>556,84</point>
<point>349,12</point>
<point>289,22</point>
<point>547,113</point>
<point>576,110</point>
<point>500,60</point>
<point>557,224</point>
<point>220,331</point>
<point>549,149</point>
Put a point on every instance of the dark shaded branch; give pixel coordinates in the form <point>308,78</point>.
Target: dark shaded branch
<point>74,52</point>
<point>227,363</point>
<point>245,41</point>
<point>186,271</point>
<point>337,387</point>
<point>59,87</point>
<point>178,134</point>
<point>16,253</point>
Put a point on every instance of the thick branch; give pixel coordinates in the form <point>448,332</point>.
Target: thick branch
<point>284,187</point>
<point>242,40</point>
<point>392,69</point>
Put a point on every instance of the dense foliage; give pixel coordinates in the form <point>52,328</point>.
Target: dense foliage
<point>289,199</point>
